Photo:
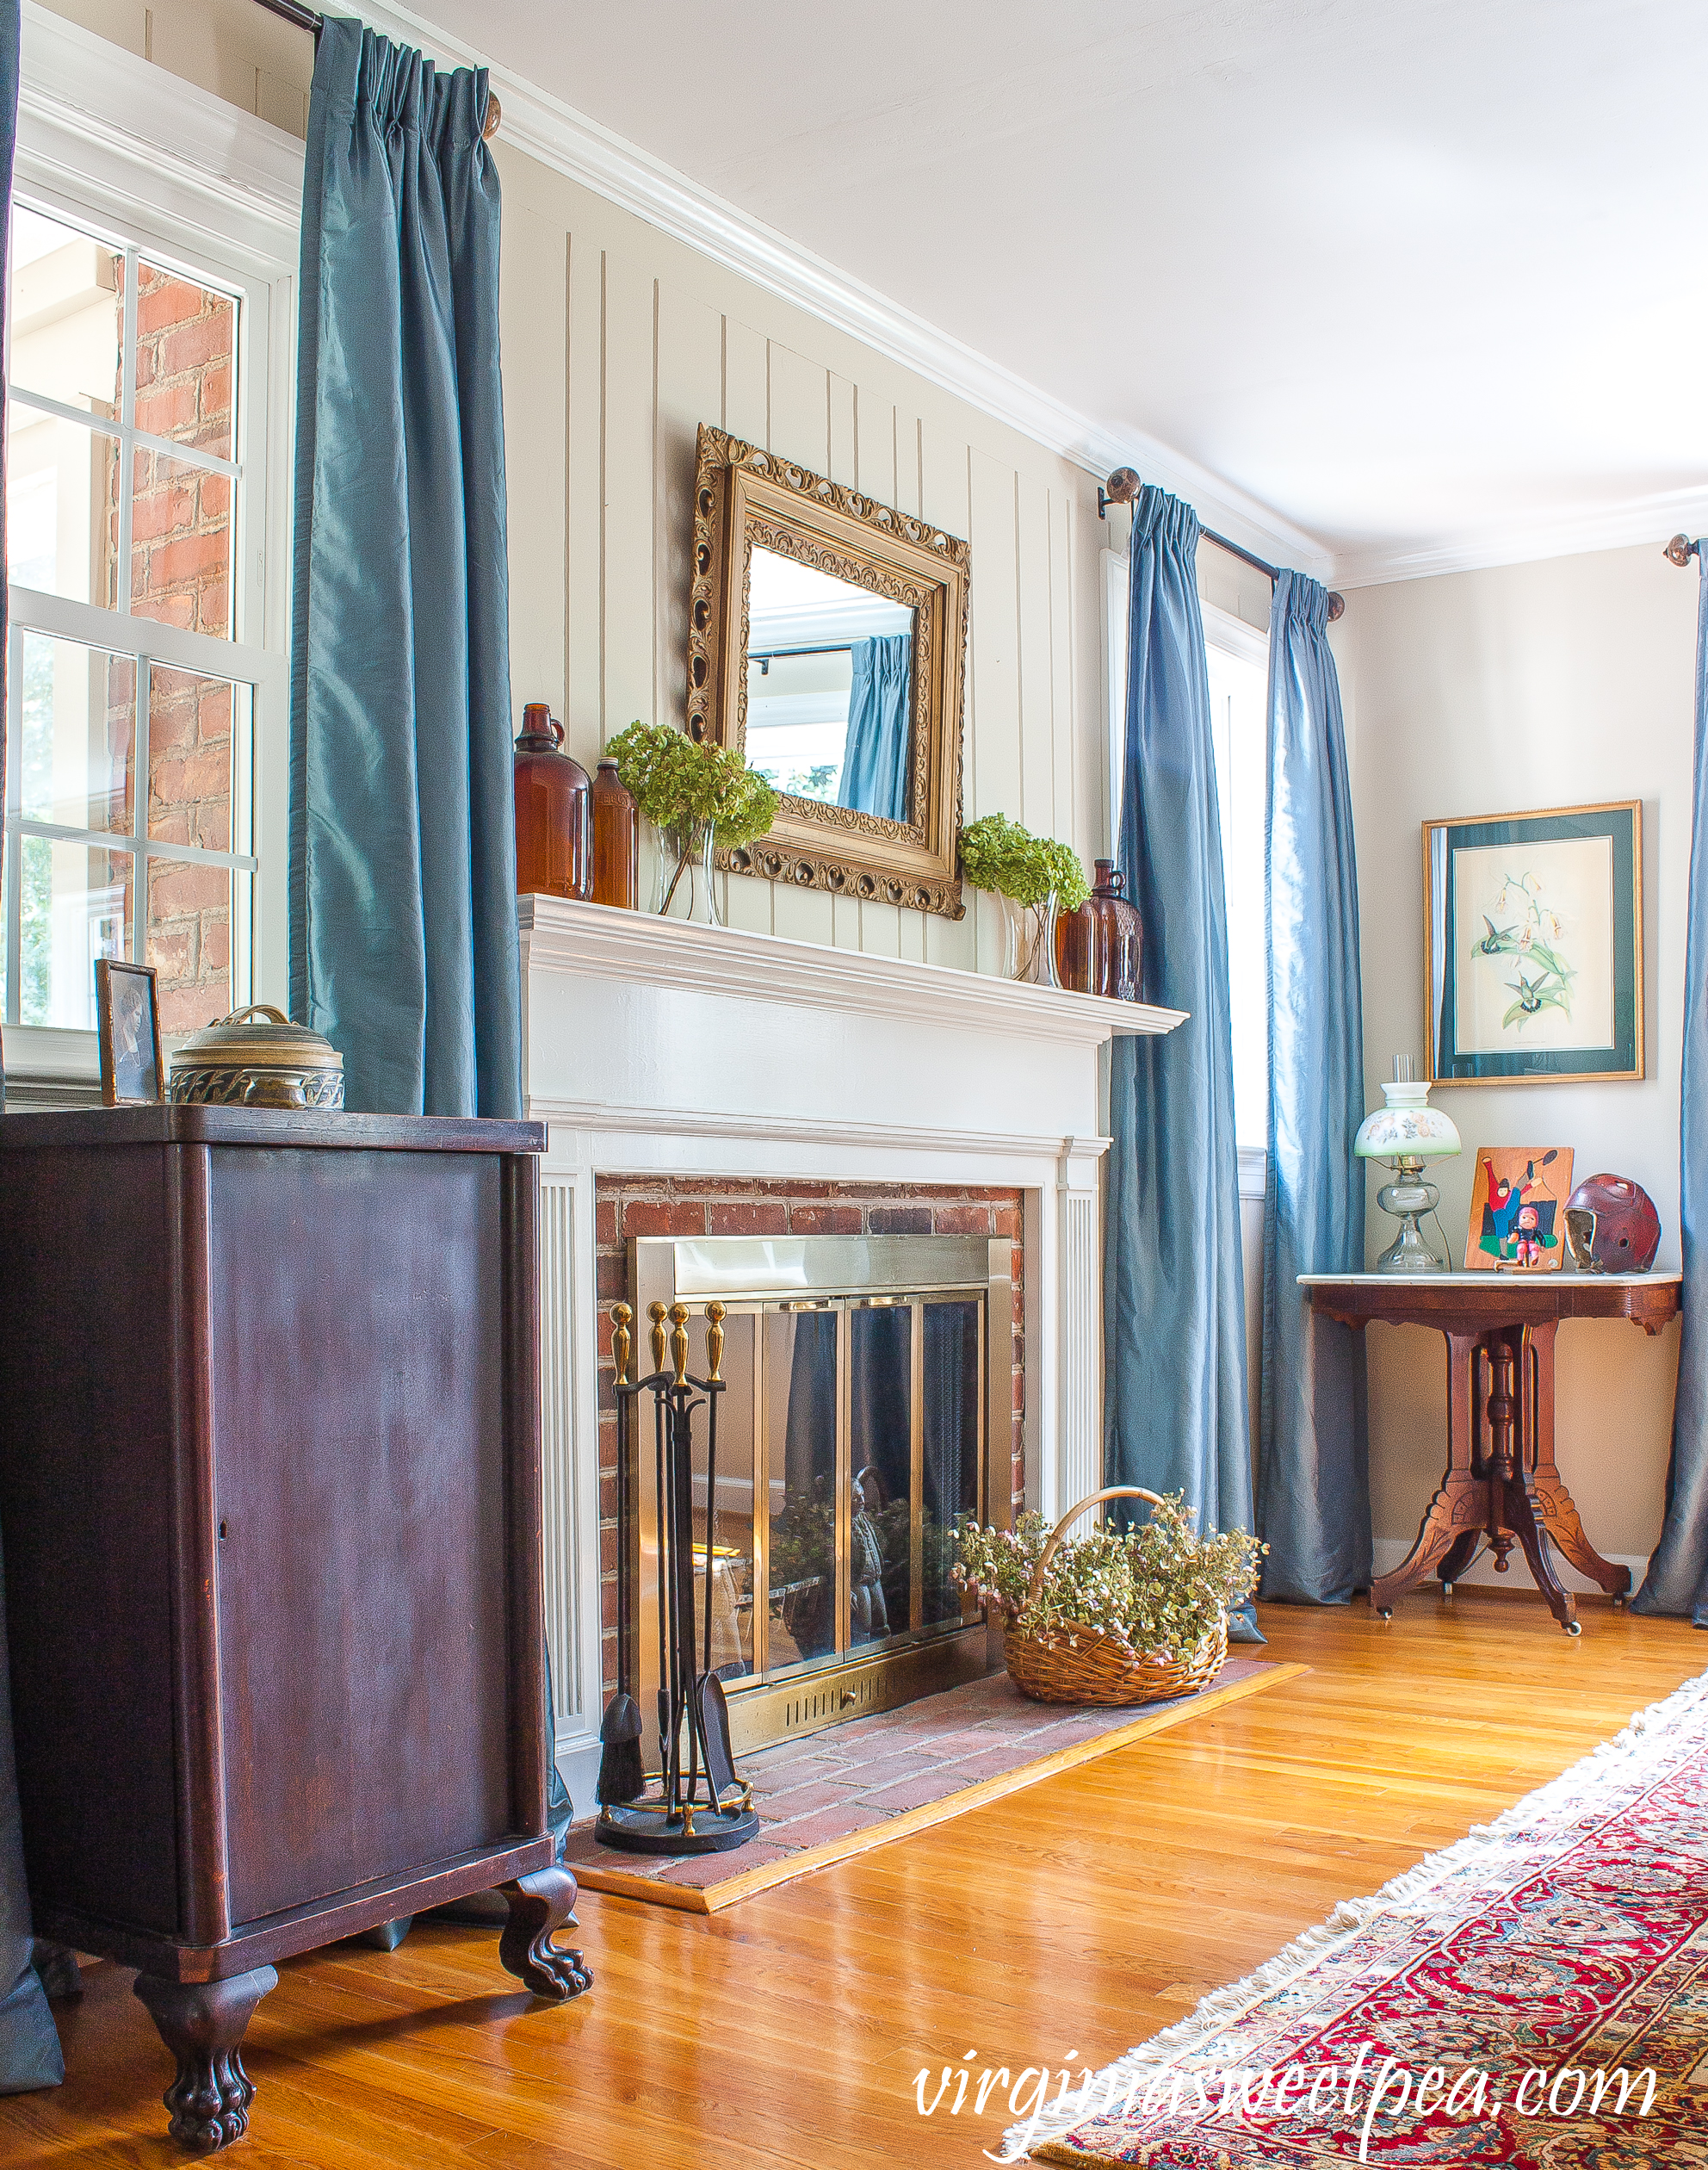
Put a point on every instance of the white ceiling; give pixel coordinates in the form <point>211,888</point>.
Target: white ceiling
<point>1424,277</point>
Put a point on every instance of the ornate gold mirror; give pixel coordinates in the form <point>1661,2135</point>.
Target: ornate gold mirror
<point>826,635</point>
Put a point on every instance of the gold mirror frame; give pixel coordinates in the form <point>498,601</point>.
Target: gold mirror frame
<point>744,496</point>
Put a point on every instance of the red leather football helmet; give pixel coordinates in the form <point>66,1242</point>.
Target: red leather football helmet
<point>1611,1226</point>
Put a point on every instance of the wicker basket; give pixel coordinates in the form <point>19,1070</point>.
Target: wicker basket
<point>1094,1667</point>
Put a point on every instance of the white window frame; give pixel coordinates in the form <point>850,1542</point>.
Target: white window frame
<point>109,141</point>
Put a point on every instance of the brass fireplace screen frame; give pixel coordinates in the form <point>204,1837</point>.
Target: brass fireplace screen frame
<point>760,1277</point>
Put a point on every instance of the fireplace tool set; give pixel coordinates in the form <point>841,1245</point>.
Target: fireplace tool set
<point>700,1805</point>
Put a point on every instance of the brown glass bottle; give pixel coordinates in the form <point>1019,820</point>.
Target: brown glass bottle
<point>1098,949</point>
<point>553,811</point>
<point>617,842</point>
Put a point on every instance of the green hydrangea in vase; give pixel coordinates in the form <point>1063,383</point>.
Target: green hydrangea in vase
<point>1036,878</point>
<point>700,798</point>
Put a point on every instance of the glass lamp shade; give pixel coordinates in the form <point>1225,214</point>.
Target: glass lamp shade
<point>1407,1128</point>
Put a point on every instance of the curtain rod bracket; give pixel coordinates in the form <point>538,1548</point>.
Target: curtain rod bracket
<point>1124,486</point>
<point>1682,549</point>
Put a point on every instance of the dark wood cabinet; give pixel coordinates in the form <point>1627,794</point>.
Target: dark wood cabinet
<point>270,1496</point>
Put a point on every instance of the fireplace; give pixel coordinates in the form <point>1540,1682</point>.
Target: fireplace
<point>710,1081</point>
<point>855,1436</point>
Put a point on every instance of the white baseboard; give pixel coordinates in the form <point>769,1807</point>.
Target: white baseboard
<point>1390,1551</point>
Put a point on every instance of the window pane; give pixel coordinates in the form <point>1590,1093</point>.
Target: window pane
<point>181,545</point>
<point>67,305</point>
<point>61,510</point>
<point>189,941</point>
<point>77,734</point>
<point>185,346</point>
<point>195,726</point>
<point>76,907</point>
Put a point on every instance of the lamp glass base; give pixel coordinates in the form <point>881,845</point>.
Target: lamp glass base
<point>1410,1252</point>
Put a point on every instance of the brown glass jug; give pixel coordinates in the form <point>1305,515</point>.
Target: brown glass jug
<point>553,811</point>
<point>1098,948</point>
<point>617,842</point>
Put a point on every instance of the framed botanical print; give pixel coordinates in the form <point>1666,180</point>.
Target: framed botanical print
<point>1534,946</point>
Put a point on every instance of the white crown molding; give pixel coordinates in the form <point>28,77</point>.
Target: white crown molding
<point>1570,533</point>
<point>573,144</point>
<point>89,108</point>
<point>641,949</point>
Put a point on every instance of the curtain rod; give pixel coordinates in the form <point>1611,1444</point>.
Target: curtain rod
<point>313,21</point>
<point>1682,549</point>
<point>1124,486</point>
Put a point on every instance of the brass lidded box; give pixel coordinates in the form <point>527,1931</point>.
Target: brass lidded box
<point>237,1062</point>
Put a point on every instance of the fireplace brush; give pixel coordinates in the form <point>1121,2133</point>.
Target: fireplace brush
<point>622,1775</point>
<point>693,1810</point>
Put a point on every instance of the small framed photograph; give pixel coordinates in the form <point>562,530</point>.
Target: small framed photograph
<point>1534,946</point>
<point>132,1074</point>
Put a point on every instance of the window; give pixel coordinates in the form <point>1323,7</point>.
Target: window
<point>148,314</point>
<point>128,803</point>
<point>1238,656</point>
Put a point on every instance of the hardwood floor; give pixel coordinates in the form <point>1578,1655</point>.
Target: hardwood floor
<point>1078,1916</point>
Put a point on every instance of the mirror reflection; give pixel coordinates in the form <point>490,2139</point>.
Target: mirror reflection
<point>829,688</point>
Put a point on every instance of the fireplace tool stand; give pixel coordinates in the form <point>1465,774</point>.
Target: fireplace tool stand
<point>700,1806</point>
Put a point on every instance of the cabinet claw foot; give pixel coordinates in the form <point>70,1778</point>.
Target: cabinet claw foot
<point>539,1905</point>
<point>202,2024</point>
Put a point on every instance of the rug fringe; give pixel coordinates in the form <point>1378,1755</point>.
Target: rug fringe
<point>1637,1746</point>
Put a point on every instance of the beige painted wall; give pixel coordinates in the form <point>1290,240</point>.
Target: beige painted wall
<point>232,47</point>
<point>618,343</point>
<point>1528,686</point>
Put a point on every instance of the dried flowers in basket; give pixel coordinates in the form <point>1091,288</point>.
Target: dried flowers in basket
<point>1119,1616</point>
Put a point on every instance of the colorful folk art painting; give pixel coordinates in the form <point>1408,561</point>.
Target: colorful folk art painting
<point>1517,1209</point>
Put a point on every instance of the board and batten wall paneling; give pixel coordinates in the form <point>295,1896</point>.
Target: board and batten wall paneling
<point>618,343</point>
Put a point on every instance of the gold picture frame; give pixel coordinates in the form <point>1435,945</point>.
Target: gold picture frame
<point>127,1026</point>
<point>1516,944</point>
<point>744,496</point>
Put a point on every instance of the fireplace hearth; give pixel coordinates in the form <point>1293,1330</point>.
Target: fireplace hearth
<point>855,1436</point>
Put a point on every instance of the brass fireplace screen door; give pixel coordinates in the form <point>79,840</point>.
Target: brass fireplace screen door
<point>853,1442</point>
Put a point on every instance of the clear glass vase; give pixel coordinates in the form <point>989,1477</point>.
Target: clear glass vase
<point>686,884</point>
<point>1030,951</point>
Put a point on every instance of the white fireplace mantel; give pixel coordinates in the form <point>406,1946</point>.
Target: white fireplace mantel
<point>653,1047</point>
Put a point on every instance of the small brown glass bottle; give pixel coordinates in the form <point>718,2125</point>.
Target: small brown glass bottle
<point>553,811</point>
<point>617,842</point>
<point>1100,948</point>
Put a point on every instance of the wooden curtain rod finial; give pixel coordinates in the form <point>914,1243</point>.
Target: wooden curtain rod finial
<point>495,114</point>
<point>1119,488</point>
<point>1337,606</point>
<point>1680,549</point>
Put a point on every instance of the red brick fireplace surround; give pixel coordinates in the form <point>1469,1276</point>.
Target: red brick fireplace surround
<point>722,1205</point>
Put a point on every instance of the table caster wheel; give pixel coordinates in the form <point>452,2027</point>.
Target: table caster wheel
<point>1574,1628</point>
<point>1446,1590</point>
<point>1381,1615</point>
<point>1620,1602</point>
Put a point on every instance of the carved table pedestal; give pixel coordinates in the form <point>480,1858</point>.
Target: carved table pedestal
<point>1501,1482</point>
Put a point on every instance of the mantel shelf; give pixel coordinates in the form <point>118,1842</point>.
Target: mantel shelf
<point>641,948</point>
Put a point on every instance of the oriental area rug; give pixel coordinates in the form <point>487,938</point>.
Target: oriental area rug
<point>866,1783</point>
<point>1536,1997</point>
